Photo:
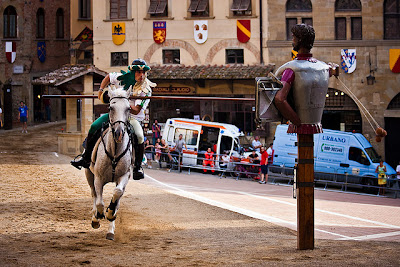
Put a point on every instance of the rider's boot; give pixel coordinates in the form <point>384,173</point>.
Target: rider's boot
<point>138,171</point>
<point>85,158</point>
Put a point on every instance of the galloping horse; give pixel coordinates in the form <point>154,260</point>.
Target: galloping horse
<point>111,159</point>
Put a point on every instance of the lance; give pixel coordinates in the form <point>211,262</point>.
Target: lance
<point>183,98</point>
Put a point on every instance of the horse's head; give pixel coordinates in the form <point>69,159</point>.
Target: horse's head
<point>119,111</point>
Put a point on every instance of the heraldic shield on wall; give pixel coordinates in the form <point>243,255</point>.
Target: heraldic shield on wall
<point>243,30</point>
<point>118,32</point>
<point>349,61</point>
<point>394,60</point>
<point>11,51</point>
<point>159,31</point>
<point>41,51</point>
<point>200,31</point>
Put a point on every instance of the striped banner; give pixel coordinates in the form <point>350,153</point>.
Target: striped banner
<point>243,30</point>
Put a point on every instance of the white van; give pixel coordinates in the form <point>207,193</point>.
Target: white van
<point>201,135</point>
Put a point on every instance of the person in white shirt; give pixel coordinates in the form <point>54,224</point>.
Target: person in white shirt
<point>256,144</point>
<point>270,152</point>
<point>398,171</point>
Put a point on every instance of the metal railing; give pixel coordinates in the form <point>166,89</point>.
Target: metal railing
<point>239,169</point>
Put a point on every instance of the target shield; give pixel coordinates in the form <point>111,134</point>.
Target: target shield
<point>266,89</point>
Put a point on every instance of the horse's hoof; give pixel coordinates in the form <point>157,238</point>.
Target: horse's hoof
<point>112,218</point>
<point>110,236</point>
<point>95,225</point>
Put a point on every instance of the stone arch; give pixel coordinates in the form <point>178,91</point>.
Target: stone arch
<point>231,43</point>
<point>173,43</point>
<point>395,103</point>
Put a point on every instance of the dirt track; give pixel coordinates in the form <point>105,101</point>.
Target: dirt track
<point>45,221</point>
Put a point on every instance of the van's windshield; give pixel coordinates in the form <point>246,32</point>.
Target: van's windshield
<point>373,155</point>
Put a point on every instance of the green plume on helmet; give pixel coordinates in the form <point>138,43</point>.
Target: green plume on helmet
<point>127,79</point>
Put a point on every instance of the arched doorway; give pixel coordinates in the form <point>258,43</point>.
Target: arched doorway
<point>392,126</point>
<point>341,112</point>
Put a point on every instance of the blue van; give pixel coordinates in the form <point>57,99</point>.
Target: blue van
<point>337,156</point>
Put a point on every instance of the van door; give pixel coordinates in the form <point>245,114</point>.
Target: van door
<point>191,137</point>
<point>359,163</point>
<point>208,139</point>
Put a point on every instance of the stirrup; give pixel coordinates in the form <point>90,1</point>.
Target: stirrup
<point>79,163</point>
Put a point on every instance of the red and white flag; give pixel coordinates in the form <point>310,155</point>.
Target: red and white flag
<point>11,51</point>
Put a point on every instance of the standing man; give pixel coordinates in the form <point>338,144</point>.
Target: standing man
<point>23,116</point>
<point>179,148</point>
<point>136,76</point>
<point>256,144</point>
<point>156,129</point>
<point>264,166</point>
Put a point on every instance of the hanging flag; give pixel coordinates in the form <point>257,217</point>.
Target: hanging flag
<point>348,60</point>
<point>118,32</point>
<point>243,30</point>
<point>11,51</point>
<point>294,54</point>
<point>394,60</point>
<point>41,51</point>
<point>159,31</point>
<point>200,31</point>
<point>85,35</point>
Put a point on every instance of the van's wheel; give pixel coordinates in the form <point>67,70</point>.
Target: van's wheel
<point>368,188</point>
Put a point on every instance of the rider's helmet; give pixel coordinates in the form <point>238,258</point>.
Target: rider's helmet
<point>139,64</point>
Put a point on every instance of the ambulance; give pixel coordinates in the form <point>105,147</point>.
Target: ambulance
<point>338,156</point>
<point>199,136</point>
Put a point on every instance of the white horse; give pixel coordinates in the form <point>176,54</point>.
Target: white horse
<point>111,159</point>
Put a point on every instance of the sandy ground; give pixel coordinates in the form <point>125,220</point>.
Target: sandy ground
<point>45,221</point>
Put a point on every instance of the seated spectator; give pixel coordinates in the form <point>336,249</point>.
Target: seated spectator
<point>254,157</point>
<point>224,161</point>
<point>158,152</point>
<point>165,154</point>
<point>209,160</point>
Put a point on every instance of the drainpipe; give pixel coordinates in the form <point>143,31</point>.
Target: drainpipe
<point>261,35</point>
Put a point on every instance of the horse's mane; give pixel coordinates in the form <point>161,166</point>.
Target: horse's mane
<point>118,91</point>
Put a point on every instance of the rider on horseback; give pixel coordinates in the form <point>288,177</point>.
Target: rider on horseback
<point>136,76</point>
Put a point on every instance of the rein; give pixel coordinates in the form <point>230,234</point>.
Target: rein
<point>114,158</point>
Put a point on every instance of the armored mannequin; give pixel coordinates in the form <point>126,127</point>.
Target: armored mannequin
<point>305,81</point>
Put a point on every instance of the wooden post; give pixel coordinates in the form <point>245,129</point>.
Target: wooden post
<point>305,191</point>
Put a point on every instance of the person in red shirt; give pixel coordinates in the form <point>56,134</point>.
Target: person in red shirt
<point>264,166</point>
<point>209,160</point>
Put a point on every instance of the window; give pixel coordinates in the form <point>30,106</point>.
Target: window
<point>171,56</point>
<point>118,9</point>
<point>356,154</point>
<point>84,9</point>
<point>356,28</point>
<point>190,136</point>
<point>158,8</point>
<point>234,56</point>
<point>119,59</point>
<point>241,7</point>
<point>60,23</point>
<point>348,5</point>
<point>292,6</point>
<point>199,8</point>
<point>340,28</point>
<point>290,22</point>
<point>10,22</point>
<point>40,23</point>
<point>392,19</point>
<point>298,6</point>
<point>341,20</point>
<point>307,21</point>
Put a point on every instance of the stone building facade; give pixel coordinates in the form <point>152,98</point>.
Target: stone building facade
<point>40,31</point>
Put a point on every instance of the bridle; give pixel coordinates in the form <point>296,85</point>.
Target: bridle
<point>114,158</point>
